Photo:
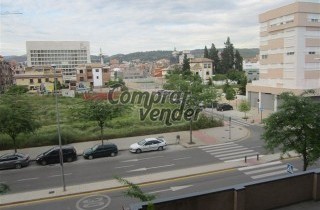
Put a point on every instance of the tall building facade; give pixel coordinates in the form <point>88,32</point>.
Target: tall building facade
<point>65,55</point>
<point>6,75</point>
<point>289,53</point>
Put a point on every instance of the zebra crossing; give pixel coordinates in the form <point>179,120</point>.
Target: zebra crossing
<point>265,170</point>
<point>229,152</point>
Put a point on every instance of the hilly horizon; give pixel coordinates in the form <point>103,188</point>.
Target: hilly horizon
<point>147,55</point>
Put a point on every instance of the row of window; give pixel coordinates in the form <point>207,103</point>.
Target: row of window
<point>39,80</point>
<point>88,77</point>
<point>58,58</point>
<point>207,65</point>
<point>58,51</point>
<point>288,53</point>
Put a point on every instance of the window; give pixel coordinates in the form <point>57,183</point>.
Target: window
<point>81,79</point>
<point>81,71</point>
<point>89,70</point>
<point>207,73</point>
<point>39,80</point>
<point>264,56</point>
<point>209,65</point>
<point>97,77</point>
<point>97,70</point>
<point>205,65</point>
<point>290,53</point>
<point>31,81</point>
<point>312,53</point>
<point>89,77</point>
<point>47,79</point>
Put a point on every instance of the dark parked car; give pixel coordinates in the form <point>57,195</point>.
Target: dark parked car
<point>17,160</point>
<point>224,107</point>
<point>101,150</point>
<point>52,155</point>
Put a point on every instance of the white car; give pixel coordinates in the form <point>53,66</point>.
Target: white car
<point>148,144</point>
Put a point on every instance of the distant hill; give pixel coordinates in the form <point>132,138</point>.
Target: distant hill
<point>147,56</point>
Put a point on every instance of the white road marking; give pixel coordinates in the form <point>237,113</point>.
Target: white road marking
<point>237,156</point>
<point>173,189</point>
<point>239,159</point>
<point>272,174</point>
<point>259,166</point>
<point>27,179</point>
<point>266,169</point>
<point>215,145</point>
<point>144,169</point>
<point>125,166</point>
<point>233,150</point>
<point>59,175</point>
<point>222,149</point>
<point>183,158</point>
<point>234,153</point>
<point>135,160</point>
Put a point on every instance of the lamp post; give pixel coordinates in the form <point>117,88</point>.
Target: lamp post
<point>58,127</point>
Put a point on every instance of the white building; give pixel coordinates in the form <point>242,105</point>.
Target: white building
<point>202,67</point>
<point>251,69</point>
<point>66,55</point>
<point>289,53</point>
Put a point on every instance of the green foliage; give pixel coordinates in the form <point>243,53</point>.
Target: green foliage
<point>206,52</point>
<point>214,55</point>
<point>134,191</point>
<point>219,77</point>
<point>16,117</point>
<point>295,126</point>
<point>230,94</point>
<point>17,90</point>
<point>235,75</point>
<point>227,56</point>
<point>244,107</point>
<point>226,86</point>
<point>4,188</point>
<point>238,61</point>
<point>186,64</point>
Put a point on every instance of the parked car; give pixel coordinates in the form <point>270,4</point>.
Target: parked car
<point>52,155</point>
<point>101,150</point>
<point>148,144</point>
<point>16,160</point>
<point>224,107</point>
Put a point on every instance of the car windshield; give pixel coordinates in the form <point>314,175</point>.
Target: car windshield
<point>47,152</point>
<point>142,142</point>
<point>95,147</point>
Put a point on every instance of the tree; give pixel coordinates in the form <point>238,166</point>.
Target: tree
<point>206,53</point>
<point>244,107</point>
<point>243,84</point>
<point>214,55</point>
<point>17,90</point>
<point>186,64</point>
<point>230,94</point>
<point>16,117</point>
<point>100,111</point>
<point>227,56</point>
<point>134,191</point>
<point>238,61</point>
<point>295,127</point>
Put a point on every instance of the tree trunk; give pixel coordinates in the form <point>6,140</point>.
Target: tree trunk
<point>101,134</point>
<point>305,162</point>
<point>14,144</point>
<point>191,132</point>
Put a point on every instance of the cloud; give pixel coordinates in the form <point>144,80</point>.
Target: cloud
<point>125,26</point>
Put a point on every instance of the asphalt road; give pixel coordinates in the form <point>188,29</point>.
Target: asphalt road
<point>125,164</point>
<point>115,200</point>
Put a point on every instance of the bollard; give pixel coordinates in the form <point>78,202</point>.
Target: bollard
<point>178,139</point>
<point>245,159</point>
<point>257,156</point>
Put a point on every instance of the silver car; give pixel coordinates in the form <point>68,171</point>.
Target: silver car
<point>148,144</point>
<point>17,160</point>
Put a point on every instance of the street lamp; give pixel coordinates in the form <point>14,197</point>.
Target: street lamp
<point>58,127</point>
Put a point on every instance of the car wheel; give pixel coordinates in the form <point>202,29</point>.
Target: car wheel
<point>69,159</point>
<point>138,151</point>
<point>113,154</point>
<point>90,157</point>
<point>160,148</point>
<point>18,166</point>
<point>43,162</point>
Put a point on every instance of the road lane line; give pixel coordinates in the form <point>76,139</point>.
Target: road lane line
<point>125,166</point>
<point>223,149</point>
<point>272,174</point>
<point>284,167</point>
<point>183,158</point>
<point>27,179</point>
<point>59,175</point>
<point>215,145</point>
<point>233,150</point>
<point>234,153</point>
<point>237,156</point>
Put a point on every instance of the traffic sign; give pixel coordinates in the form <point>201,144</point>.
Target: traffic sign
<point>290,168</point>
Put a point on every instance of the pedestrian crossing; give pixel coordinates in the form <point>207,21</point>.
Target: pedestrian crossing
<point>229,152</point>
<point>266,170</point>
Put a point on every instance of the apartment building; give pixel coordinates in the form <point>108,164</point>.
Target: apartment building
<point>38,78</point>
<point>66,55</point>
<point>289,53</point>
<point>93,75</point>
<point>202,67</point>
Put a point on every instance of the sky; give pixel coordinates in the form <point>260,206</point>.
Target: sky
<point>125,26</point>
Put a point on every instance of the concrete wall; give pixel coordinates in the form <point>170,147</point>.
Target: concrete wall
<point>265,194</point>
